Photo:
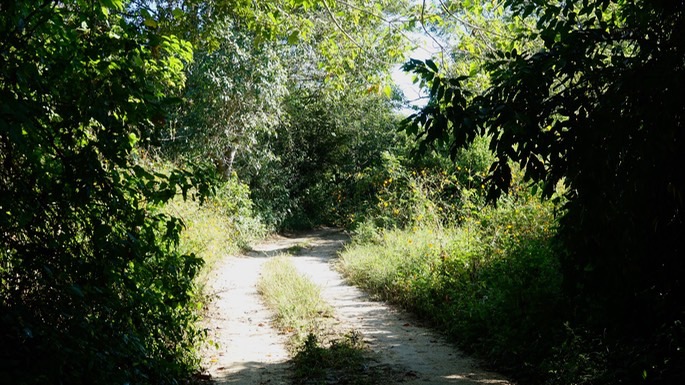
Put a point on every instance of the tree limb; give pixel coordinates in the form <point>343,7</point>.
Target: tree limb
<point>325,4</point>
<point>423,25</point>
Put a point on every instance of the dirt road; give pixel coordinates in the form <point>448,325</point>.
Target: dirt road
<point>251,352</point>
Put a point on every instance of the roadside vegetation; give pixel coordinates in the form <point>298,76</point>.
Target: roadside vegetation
<point>492,282</point>
<point>532,208</point>
<point>487,276</point>
<point>224,224</point>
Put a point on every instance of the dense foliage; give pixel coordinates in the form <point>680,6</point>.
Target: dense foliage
<point>491,283</point>
<point>285,109</point>
<point>591,97</point>
<point>486,276</point>
<point>233,98</point>
<point>92,288</point>
<point>295,116</point>
<point>321,153</point>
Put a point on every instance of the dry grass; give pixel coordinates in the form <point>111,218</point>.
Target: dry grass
<point>295,300</point>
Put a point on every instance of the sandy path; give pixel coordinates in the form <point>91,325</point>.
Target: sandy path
<point>422,355</point>
<point>251,352</point>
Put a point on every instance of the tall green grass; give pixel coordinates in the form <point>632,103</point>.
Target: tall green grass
<point>223,225</point>
<point>492,282</point>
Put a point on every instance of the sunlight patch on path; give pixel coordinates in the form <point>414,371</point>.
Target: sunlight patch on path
<point>395,336</point>
<point>250,351</point>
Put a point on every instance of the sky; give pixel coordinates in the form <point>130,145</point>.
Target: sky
<point>425,50</point>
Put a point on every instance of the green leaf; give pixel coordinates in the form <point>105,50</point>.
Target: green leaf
<point>178,13</point>
<point>75,289</point>
<point>113,4</point>
<point>473,68</point>
<point>430,63</point>
<point>294,37</point>
<point>150,23</point>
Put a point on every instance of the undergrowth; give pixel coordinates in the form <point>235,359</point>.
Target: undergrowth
<point>490,280</point>
<point>224,224</point>
<point>295,300</point>
<point>344,361</point>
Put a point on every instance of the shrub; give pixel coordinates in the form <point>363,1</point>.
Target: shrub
<point>493,282</point>
<point>93,288</point>
<point>223,224</point>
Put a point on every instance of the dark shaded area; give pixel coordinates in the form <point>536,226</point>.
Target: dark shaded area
<point>599,106</point>
<point>253,373</point>
<point>92,289</point>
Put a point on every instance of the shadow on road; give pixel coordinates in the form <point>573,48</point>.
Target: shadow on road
<point>255,373</point>
<point>401,350</point>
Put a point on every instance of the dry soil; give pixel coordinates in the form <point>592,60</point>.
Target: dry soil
<point>249,351</point>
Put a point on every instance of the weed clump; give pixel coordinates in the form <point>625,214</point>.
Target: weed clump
<point>490,279</point>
